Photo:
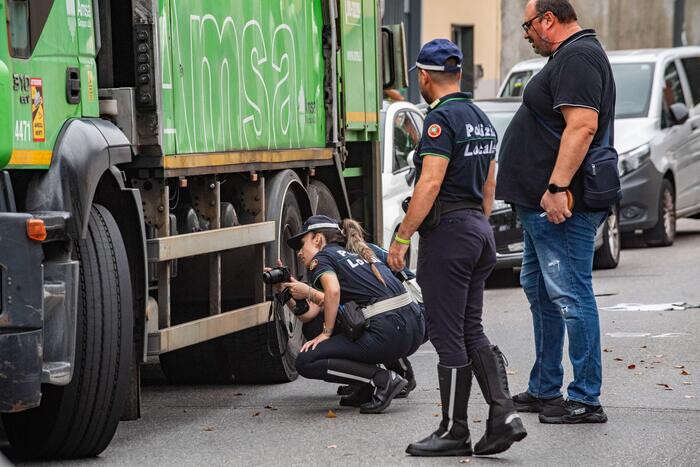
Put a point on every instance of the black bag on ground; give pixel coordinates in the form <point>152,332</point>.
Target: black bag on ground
<point>351,321</point>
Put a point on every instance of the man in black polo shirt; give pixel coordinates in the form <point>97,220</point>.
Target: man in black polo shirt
<point>455,172</point>
<point>567,107</point>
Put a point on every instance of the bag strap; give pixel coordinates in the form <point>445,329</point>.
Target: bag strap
<point>605,142</point>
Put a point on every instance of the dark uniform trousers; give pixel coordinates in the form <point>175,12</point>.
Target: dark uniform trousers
<point>388,337</point>
<point>454,260</point>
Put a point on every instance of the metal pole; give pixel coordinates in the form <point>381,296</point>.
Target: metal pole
<point>678,22</point>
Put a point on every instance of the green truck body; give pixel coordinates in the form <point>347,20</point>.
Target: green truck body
<point>155,155</point>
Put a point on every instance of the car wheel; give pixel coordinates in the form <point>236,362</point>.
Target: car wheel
<point>664,232</point>
<point>608,255</point>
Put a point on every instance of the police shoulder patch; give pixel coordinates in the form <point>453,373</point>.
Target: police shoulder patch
<point>434,130</point>
<point>314,263</point>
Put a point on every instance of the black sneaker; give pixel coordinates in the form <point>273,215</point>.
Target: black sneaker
<point>573,412</point>
<point>526,402</point>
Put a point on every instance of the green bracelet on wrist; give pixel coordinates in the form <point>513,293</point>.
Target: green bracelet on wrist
<point>402,241</point>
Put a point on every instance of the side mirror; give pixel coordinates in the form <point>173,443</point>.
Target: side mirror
<point>679,113</point>
<point>6,136</point>
<point>411,174</point>
<point>394,66</point>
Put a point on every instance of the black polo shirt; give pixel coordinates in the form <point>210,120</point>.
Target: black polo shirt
<point>459,131</point>
<point>577,74</point>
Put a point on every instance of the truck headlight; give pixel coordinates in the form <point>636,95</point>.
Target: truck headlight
<point>632,160</point>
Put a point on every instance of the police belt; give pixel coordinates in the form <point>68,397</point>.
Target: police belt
<point>387,305</point>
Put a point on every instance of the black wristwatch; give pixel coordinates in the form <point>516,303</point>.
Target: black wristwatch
<point>553,188</point>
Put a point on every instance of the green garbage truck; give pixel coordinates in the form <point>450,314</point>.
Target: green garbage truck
<point>155,155</point>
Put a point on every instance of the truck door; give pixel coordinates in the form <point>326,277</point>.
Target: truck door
<point>46,73</point>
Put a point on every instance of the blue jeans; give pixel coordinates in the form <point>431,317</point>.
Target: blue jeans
<point>557,278</point>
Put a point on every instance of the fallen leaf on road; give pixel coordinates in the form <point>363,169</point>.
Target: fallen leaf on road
<point>464,461</point>
<point>617,359</point>
<point>269,407</point>
<point>643,347</point>
<point>687,383</point>
<point>332,446</point>
<point>608,350</point>
<point>631,366</point>
<point>685,373</point>
<point>436,415</point>
<point>208,429</point>
<point>238,394</point>
<point>690,397</point>
<point>256,414</point>
<point>659,356</point>
<point>665,386</point>
<point>330,414</point>
<point>679,366</point>
<point>655,361</point>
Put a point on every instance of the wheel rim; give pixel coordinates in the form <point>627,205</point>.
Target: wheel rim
<point>613,234</point>
<point>669,213</point>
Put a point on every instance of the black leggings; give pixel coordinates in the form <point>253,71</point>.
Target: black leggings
<point>390,336</point>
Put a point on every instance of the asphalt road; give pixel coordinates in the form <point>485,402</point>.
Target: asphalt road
<point>653,409</point>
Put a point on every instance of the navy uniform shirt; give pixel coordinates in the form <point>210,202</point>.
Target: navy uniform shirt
<point>357,281</point>
<point>578,74</point>
<point>459,131</point>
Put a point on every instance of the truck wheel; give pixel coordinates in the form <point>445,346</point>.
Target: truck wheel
<point>608,255</point>
<point>264,354</point>
<point>664,232</point>
<point>322,201</point>
<point>79,420</point>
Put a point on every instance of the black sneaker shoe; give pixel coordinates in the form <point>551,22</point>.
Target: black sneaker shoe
<point>570,412</point>
<point>406,390</point>
<point>526,402</point>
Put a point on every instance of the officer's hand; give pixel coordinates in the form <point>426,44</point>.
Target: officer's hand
<point>397,255</point>
<point>314,342</point>
<point>556,205</point>
<point>300,290</point>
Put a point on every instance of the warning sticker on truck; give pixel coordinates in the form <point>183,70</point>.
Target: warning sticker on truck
<point>36,90</point>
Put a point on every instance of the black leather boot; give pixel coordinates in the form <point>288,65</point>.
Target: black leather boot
<point>403,367</point>
<point>504,426</point>
<point>452,436</point>
<point>387,385</point>
<point>360,395</point>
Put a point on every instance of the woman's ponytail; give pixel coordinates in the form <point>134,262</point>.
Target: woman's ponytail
<point>355,243</point>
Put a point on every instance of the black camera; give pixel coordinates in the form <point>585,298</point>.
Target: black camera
<point>276,275</point>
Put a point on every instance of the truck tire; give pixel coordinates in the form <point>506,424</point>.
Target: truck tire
<point>263,354</point>
<point>322,201</point>
<point>79,420</point>
<point>664,232</point>
<point>608,255</point>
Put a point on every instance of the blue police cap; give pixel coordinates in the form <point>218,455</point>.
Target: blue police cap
<point>434,55</point>
<point>317,222</point>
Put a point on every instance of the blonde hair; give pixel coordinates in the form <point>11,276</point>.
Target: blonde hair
<point>355,243</point>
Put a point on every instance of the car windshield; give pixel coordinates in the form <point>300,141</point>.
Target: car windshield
<point>633,88</point>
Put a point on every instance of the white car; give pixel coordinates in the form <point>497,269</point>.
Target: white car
<point>401,126</point>
<point>657,134</point>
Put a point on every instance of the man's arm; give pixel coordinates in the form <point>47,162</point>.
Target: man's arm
<point>424,194</point>
<point>489,189</point>
<point>581,127</point>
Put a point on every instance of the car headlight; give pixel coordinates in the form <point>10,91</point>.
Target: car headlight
<point>632,160</point>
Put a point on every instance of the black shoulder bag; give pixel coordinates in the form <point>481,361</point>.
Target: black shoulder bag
<point>600,175</point>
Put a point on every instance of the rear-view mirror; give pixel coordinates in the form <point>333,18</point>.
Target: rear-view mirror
<point>394,68</point>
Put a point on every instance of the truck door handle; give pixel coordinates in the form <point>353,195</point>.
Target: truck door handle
<point>72,85</point>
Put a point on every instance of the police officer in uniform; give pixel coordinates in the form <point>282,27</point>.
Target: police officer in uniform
<point>450,206</point>
<point>338,275</point>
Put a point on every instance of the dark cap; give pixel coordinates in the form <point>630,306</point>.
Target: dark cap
<point>434,55</point>
<point>312,223</point>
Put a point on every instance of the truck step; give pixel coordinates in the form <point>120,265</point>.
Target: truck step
<point>210,241</point>
<point>204,329</point>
